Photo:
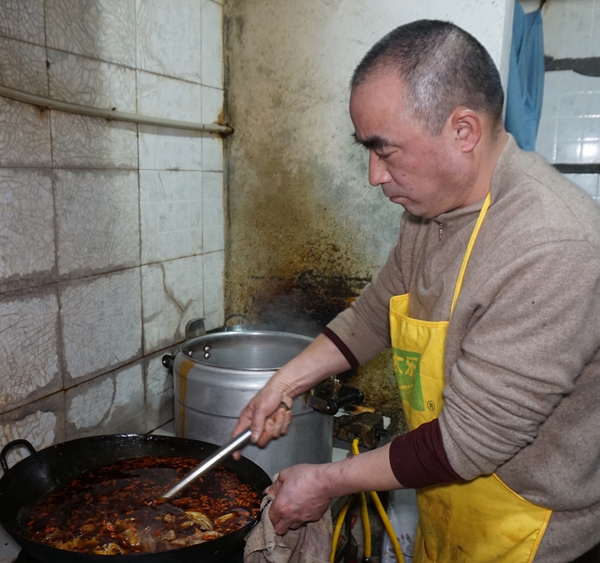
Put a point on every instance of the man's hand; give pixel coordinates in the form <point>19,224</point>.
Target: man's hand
<point>300,497</point>
<point>304,492</point>
<point>263,414</point>
<point>268,415</point>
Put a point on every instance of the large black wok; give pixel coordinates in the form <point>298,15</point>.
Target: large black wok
<point>42,472</point>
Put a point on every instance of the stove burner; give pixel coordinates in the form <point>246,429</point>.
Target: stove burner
<point>235,557</point>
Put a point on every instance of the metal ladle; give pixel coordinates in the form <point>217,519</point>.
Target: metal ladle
<point>207,464</point>
<point>214,459</point>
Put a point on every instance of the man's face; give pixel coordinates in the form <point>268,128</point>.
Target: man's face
<point>427,175</point>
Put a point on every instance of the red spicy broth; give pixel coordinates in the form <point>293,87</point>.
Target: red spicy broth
<point>116,509</point>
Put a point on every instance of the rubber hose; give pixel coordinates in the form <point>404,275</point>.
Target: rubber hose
<point>384,517</point>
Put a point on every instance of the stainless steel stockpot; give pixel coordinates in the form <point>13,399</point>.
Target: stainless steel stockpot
<point>217,374</point>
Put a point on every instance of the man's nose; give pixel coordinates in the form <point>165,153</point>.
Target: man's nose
<point>378,173</point>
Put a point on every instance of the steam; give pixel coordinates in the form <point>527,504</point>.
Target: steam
<point>283,315</point>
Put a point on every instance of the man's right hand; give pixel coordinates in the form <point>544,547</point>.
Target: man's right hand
<point>264,415</point>
<point>268,415</point>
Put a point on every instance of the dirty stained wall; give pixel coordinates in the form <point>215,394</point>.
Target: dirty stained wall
<point>306,231</point>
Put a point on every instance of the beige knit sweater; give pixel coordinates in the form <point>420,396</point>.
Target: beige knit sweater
<point>522,361</point>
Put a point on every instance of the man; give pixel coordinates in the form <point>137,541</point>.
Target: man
<point>490,301</point>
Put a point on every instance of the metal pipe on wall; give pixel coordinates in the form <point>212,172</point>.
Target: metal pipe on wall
<point>49,103</point>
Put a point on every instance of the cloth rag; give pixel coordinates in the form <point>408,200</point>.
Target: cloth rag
<point>311,543</point>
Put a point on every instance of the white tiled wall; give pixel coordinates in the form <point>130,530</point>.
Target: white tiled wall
<point>111,234</point>
<point>571,27</point>
<point>588,183</point>
<point>569,131</point>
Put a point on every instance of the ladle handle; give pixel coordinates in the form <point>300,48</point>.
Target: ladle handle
<point>220,454</point>
<point>223,452</point>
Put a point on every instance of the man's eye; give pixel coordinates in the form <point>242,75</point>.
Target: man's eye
<point>383,156</point>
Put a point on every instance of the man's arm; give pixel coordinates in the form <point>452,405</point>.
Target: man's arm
<point>318,361</point>
<point>364,327</point>
<point>538,324</point>
<point>356,335</point>
<point>305,491</point>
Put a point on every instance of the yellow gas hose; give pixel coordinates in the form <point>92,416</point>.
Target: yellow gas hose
<point>366,525</point>
<point>338,529</point>
<point>364,513</point>
<point>388,527</point>
<point>364,516</point>
<point>384,518</point>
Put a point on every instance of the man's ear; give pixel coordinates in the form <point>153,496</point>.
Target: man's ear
<point>466,127</point>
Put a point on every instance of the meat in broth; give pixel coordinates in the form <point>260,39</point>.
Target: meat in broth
<point>116,510</point>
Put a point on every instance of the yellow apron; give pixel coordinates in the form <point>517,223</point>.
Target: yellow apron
<point>480,521</point>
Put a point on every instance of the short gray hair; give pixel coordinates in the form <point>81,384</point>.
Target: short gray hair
<point>442,67</point>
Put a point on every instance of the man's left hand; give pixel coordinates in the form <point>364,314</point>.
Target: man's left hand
<point>299,497</point>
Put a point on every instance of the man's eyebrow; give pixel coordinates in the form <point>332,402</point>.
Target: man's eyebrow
<point>375,142</point>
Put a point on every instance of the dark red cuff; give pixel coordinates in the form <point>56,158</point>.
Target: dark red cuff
<point>418,458</point>
<point>341,347</point>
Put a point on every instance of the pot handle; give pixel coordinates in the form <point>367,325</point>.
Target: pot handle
<point>195,328</point>
<point>331,404</point>
<point>247,326</point>
<point>10,446</point>
<point>168,360</point>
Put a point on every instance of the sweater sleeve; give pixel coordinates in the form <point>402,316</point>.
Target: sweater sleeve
<point>418,458</point>
<point>364,328</point>
<point>534,324</point>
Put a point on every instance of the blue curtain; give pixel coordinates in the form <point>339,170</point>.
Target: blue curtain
<point>526,78</point>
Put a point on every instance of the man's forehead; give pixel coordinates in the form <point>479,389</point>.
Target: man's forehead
<point>381,96</point>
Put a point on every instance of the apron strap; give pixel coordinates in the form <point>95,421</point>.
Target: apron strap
<point>474,234</point>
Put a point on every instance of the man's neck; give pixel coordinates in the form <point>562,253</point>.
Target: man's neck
<point>489,155</point>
